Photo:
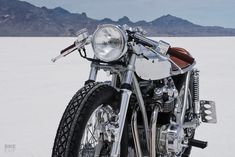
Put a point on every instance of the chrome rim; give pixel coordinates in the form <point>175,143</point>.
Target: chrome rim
<point>97,132</point>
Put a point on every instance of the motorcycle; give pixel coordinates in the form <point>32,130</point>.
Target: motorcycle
<point>150,107</point>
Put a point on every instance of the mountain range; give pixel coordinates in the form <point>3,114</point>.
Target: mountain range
<point>19,18</point>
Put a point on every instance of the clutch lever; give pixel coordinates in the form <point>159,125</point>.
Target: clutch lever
<point>82,40</point>
<point>75,46</point>
<point>65,52</point>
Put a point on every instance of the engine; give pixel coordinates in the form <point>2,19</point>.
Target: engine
<point>165,95</point>
<point>170,136</point>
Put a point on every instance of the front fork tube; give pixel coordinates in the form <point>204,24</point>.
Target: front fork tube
<point>93,73</point>
<point>126,92</point>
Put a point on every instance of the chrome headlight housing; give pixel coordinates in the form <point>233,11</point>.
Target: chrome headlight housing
<point>109,43</point>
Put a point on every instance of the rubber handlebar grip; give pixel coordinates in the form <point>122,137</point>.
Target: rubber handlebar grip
<point>68,48</point>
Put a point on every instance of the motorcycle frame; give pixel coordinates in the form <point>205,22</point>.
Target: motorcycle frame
<point>130,84</point>
<point>129,80</point>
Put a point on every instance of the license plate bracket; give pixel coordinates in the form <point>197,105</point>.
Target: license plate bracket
<point>208,111</point>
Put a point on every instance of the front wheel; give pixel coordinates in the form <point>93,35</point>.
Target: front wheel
<point>84,130</point>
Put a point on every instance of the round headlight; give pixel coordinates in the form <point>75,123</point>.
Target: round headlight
<point>109,43</point>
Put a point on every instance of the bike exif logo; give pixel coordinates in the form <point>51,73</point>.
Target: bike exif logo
<point>9,148</point>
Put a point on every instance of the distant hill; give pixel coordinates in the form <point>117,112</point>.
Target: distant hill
<point>18,18</point>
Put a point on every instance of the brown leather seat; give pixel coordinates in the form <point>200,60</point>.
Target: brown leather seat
<point>182,64</point>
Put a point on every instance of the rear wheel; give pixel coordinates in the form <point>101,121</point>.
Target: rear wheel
<point>84,128</point>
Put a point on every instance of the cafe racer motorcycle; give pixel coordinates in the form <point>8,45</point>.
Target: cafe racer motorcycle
<point>150,107</point>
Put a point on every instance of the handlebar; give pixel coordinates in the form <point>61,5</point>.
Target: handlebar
<point>65,52</point>
<point>161,47</point>
<point>153,44</point>
<point>83,39</point>
<point>68,48</point>
<point>142,40</point>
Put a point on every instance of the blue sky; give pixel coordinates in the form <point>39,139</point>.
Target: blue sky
<point>203,12</point>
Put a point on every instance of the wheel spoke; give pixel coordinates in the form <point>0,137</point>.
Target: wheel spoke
<point>92,135</point>
<point>98,120</point>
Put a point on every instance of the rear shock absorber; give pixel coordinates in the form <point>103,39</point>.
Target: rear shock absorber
<point>195,79</point>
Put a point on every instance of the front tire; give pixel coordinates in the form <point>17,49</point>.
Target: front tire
<point>77,114</point>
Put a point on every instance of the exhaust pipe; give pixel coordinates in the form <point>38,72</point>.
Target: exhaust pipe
<point>135,134</point>
<point>153,134</point>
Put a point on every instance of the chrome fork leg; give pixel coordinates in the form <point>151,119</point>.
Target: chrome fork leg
<point>153,137</point>
<point>93,73</point>
<point>134,128</point>
<point>125,97</point>
<point>122,117</point>
<point>114,80</point>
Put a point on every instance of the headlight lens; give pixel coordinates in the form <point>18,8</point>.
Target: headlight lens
<point>109,43</point>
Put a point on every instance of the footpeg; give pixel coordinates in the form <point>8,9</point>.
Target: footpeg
<point>208,111</point>
<point>198,144</point>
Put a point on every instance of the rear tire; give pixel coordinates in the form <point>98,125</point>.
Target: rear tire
<point>78,112</point>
